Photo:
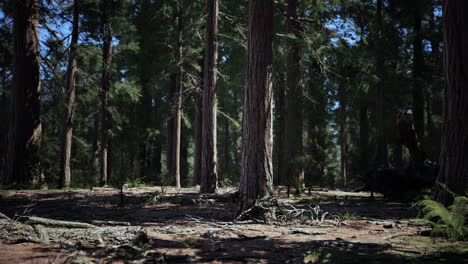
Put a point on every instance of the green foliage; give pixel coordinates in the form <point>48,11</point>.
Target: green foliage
<point>447,221</point>
<point>346,215</point>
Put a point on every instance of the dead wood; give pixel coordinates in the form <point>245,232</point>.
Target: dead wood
<point>43,230</point>
<point>51,222</point>
<point>110,223</point>
<point>304,231</point>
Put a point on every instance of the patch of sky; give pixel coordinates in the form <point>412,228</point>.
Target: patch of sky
<point>344,29</point>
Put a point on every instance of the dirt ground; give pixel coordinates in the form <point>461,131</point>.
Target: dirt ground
<point>183,228</point>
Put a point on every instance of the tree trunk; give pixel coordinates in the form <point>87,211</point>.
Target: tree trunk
<point>178,100</point>
<point>382,151</point>
<point>197,161</point>
<point>106,115</point>
<point>257,169</point>
<point>363,140</point>
<point>343,133</point>
<point>72,69</point>
<point>23,162</point>
<point>279,115</point>
<point>454,150</point>
<point>293,136</point>
<point>418,68</point>
<point>227,150</point>
<point>170,129</point>
<point>209,176</point>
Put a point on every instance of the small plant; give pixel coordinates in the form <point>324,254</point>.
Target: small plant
<point>135,183</point>
<point>192,242</point>
<point>447,221</point>
<point>346,216</point>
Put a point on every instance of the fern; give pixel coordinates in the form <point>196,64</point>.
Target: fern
<point>449,222</point>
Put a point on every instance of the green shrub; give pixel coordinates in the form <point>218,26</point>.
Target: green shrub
<point>449,221</point>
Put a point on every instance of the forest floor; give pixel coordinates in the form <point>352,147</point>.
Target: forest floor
<point>183,227</point>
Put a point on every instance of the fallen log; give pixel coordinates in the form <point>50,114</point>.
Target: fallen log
<point>34,220</point>
<point>44,231</point>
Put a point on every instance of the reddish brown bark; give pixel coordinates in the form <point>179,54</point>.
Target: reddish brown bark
<point>209,176</point>
<point>106,115</point>
<point>71,89</point>
<point>454,150</point>
<point>257,169</point>
<point>23,161</point>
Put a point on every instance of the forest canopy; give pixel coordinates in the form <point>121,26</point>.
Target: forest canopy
<point>162,92</point>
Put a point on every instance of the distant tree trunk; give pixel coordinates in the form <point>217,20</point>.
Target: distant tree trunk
<point>197,161</point>
<point>94,155</point>
<point>257,169</point>
<point>178,99</point>
<point>184,164</point>
<point>382,151</point>
<point>294,116</point>
<point>106,115</point>
<point>227,149</point>
<point>170,128</point>
<point>343,133</point>
<point>156,165</point>
<point>418,81</point>
<point>363,140</point>
<point>280,120</point>
<point>209,176</point>
<point>454,153</point>
<point>71,88</point>
<point>23,161</point>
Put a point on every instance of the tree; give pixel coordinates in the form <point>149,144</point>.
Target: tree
<point>197,163</point>
<point>294,115</point>
<point>178,97</point>
<point>209,177</point>
<point>454,149</point>
<point>106,115</point>
<point>418,68</point>
<point>382,151</point>
<point>257,168</point>
<point>23,162</point>
<point>71,90</point>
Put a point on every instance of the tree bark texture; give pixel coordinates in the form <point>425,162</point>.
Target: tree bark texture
<point>294,116</point>
<point>197,161</point>
<point>280,175</point>
<point>23,161</point>
<point>209,176</point>
<point>71,89</point>
<point>106,115</point>
<point>257,169</point>
<point>178,99</point>
<point>454,149</point>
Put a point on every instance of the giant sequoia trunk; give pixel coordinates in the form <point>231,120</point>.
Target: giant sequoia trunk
<point>23,161</point>
<point>106,116</point>
<point>454,153</point>
<point>209,176</point>
<point>293,137</point>
<point>257,169</point>
<point>71,80</point>
<point>178,101</point>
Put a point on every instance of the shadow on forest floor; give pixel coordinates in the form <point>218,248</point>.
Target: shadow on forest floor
<point>180,230</point>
